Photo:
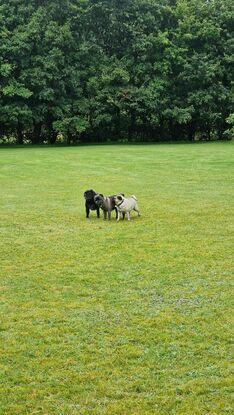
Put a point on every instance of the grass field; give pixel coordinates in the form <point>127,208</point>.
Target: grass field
<point>106,318</point>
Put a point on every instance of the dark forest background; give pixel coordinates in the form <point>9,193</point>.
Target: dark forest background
<point>115,70</point>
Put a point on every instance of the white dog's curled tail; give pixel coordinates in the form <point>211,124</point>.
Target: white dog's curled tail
<point>134,197</point>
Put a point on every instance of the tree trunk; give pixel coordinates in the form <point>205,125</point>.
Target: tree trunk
<point>20,136</point>
<point>52,136</point>
<point>69,139</point>
<point>191,132</point>
<point>131,127</point>
<point>36,135</point>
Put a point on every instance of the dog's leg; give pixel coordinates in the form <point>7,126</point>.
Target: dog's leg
<point>118,217</point>
<point>104,214</point>
<point>87,212</point>
<point>98,212</point>
<point>128,215</point>
<point>116,213</point>
<point>136,208</point>
<point>109,214</point>
<point>123,214</point>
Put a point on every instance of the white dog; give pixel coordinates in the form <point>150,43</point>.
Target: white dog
<point>125,205</point>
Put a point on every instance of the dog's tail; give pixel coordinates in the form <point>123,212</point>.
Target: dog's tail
<point>134,197</point>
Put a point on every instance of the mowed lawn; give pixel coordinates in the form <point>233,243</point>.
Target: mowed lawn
<point>106,318</point>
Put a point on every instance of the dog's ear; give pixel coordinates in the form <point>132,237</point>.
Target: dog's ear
<point>119,197</point>
<point>100,194</point>
<point>122,194</point>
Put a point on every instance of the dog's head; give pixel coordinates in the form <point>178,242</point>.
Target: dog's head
<point>119,199</point>
<point>98,199</point>
<point>119,194</point>
<point>89,194</point>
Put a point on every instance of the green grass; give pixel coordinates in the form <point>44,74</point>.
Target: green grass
<point>106,318</point>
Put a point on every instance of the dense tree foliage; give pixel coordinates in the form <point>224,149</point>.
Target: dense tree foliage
<point>91,70</point>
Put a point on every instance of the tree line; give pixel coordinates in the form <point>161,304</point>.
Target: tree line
<point>133,70</point>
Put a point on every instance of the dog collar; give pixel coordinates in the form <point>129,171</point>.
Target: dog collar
<point>120,203</point>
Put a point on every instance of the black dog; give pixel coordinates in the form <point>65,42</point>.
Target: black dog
<point>90,202</point>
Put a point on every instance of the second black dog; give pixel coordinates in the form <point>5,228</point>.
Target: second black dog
<point>90,203</point>
<point>107,204</point>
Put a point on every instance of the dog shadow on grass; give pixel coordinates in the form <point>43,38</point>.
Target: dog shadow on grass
<point>112,220</point>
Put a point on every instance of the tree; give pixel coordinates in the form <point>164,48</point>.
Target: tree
<point>111,69</point>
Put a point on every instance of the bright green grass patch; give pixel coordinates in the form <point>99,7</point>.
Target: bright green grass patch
<point>106,318</point>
